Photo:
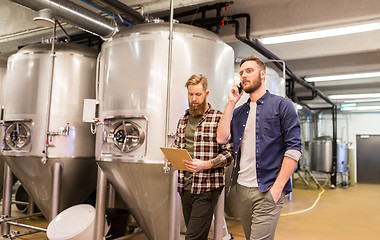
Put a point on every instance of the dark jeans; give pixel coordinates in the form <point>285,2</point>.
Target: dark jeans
<point>197,211</point>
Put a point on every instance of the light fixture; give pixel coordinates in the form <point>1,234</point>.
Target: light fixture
<point>323,33</point>
<point>44,18</point>
<point>348,106</point>
<point>361,108</point>
<point>343,77</point>
<point>362,100</point>
<point>355,96</point>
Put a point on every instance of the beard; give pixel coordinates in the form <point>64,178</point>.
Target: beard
<point>255,85</point>
<point>197,110</point>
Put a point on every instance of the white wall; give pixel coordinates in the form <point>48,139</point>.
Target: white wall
<point>349,125</point>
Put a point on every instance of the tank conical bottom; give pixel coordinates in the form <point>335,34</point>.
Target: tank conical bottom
<point>145,189</point>
<point>78,180</point>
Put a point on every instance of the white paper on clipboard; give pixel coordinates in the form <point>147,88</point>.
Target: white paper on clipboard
<point>176,156</point>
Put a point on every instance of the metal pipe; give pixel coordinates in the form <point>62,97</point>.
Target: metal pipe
<point>31,206</point>
<point>174,228</point>
<point>24,234</point>
<point>75,15</point>
<point>173,195</point>
<point>50,93</point>
<point>20,217</point>
<point>126,9</point>
<point>170,59</point>
<point>27,226</point>
<point>56,190</point>
<point>7,197</point>
<point>255,44</point>
<point>100,207</point>
<point>111,196</point>
<point>202,9</point>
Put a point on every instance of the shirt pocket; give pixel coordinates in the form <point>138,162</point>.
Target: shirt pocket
<point>271,126</point>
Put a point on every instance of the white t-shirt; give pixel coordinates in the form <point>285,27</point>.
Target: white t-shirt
<point>247,173</point>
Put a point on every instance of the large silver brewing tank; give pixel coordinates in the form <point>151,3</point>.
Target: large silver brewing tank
<point>70,143</point>
<point>133,94</point>
<point>3,71</point>
<point>321,154</point>
<point>342,157</point>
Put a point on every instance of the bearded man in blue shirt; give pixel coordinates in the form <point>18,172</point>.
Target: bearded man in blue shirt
<point>265,132</point>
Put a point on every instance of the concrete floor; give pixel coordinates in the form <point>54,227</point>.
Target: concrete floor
<point>351,213</point>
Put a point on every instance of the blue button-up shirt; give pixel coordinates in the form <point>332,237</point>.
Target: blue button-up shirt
<point>277,130</point>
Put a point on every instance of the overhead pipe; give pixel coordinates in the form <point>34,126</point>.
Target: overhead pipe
<point>136,16</point>
<point>75,15</point>
<point>255,44</point>
<point>200,10</point>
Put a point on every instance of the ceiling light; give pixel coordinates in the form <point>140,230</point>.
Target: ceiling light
<point>362,100</point>
<point>355,96</point>
<point>343,77</point>
<point>332,32</point>
<point>361,108</point>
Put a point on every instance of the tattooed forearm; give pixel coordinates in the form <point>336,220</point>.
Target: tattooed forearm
<point>217,162</point>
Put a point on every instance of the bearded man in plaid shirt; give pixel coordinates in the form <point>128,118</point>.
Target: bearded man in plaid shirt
<point>200,187</point>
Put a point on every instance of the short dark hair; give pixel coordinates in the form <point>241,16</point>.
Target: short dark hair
<point>255,59</point>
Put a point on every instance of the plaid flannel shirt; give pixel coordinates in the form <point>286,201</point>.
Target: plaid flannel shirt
<point>205,148</point>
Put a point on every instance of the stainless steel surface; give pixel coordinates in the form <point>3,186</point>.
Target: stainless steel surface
<point>145,190</point>
<point>321,154</point>
<point>77,181</point>
<point>174,198</point>
<point>55,189</point>
<point>7,197</point>
<point>174,206</point>
<point>100,208</point>
<point>342,157</point>
<point>49,97</point>
<point>70,142</point>
<point>3,71</point>
<point>133,82</point>
<point>74,14</point>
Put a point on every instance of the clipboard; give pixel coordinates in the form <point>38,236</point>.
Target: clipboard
<point>176,156</point>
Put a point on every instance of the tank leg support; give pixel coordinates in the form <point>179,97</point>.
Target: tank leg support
<point>7,198</point>
<point>56,190</point>
<point>174,230</point>
<point>100,208</point>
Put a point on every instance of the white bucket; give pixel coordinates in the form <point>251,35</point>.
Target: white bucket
<point>76,222</point>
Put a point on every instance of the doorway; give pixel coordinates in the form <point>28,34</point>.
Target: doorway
<point>368,158</point>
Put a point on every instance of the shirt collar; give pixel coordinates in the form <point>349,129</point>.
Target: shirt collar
<point>260,100</point>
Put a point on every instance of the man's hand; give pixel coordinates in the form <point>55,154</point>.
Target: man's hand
<point>276,194</point>
<point>196,165</point>
<point>234,95</point>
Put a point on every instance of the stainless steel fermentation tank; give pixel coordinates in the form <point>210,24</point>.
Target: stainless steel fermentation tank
<point>45,143</point>
<point>136,100</point>
<point>3,71</point>
<point>321,154</point>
